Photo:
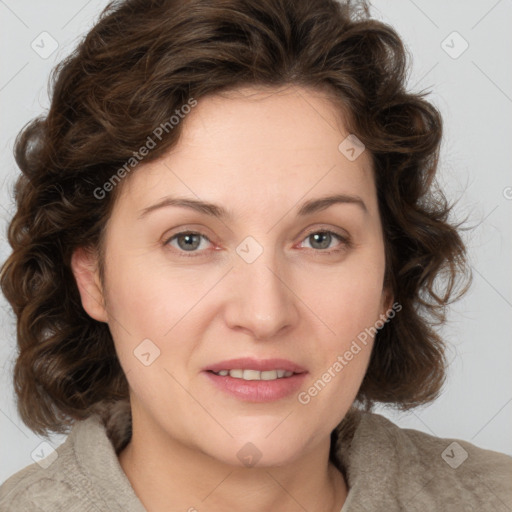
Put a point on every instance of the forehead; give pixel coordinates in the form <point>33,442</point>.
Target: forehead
<point>256,147</point>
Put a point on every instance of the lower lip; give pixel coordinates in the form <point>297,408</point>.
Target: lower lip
<point>258,390</point>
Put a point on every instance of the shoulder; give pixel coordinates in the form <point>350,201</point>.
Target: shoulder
<point>454,452</point>
<point>82,475</point>
<point>424,472</point>
<point>43,486</point>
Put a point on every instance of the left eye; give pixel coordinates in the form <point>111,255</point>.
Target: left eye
<point>323,239</point>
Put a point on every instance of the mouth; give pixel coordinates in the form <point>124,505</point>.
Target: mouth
<point>254,374</point>
<point>256,380</point>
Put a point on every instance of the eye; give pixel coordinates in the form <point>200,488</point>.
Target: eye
<point>321,240</point>
<point>187,241</point>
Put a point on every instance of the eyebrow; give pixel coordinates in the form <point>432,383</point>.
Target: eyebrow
<point>215,210</point>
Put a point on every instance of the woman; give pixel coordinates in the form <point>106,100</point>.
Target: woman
<point>227,249</point>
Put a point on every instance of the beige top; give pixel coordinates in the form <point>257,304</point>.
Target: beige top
<point>387,468</point>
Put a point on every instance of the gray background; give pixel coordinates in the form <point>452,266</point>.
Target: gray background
<point>473,90</point>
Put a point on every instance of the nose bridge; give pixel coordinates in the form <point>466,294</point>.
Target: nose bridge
<point>264,304</point>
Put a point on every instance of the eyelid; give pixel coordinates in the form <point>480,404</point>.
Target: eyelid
<point>326,229</point>
<point>186,229</point>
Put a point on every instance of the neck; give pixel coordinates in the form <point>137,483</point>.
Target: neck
<point>165,473</point>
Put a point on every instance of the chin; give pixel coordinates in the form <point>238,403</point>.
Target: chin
<point>258,449</point>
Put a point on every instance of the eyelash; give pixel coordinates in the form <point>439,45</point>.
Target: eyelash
<point>346,242</point>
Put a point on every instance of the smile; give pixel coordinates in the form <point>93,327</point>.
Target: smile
<point>255,374</point>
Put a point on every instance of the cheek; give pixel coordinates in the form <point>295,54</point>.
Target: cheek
<point>349,301</point>
<point>153,310</point>
<point>349,309</point>
<point>142,297</point>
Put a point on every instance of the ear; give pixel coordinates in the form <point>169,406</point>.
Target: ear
<point>387,301</point>
<point>84,265</point>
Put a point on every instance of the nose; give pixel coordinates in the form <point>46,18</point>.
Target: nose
<point>263,304</point>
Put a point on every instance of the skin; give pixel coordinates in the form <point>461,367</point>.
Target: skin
<point>260,154</point>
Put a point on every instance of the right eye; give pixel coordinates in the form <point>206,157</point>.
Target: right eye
<point>187,242</point>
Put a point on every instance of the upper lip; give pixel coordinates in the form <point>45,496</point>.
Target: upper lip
<point>249,363</point>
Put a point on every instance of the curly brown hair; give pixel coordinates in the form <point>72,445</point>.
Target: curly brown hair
<point>141,62</point>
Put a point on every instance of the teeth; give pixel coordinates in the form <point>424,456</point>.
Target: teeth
<point>252,375</point>
<point>255,374</point>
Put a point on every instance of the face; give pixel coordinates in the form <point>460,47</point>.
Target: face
<point>269,277</point>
